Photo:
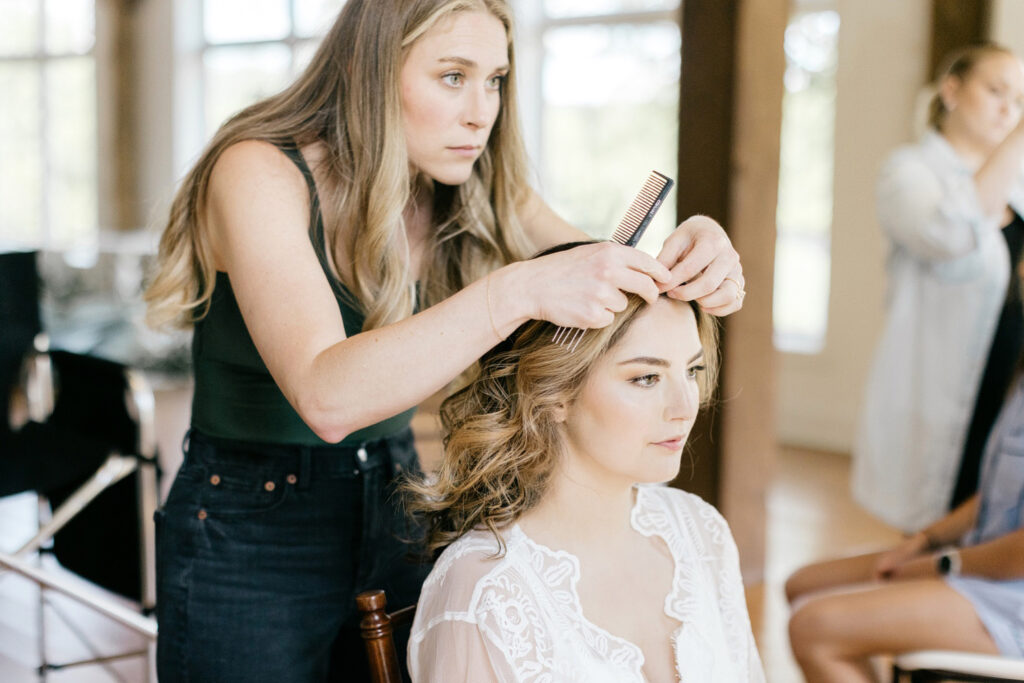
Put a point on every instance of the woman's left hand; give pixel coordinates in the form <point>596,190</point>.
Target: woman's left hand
<point>704,266</point>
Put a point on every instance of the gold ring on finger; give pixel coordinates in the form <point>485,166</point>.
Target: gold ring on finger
<point>740,293</point>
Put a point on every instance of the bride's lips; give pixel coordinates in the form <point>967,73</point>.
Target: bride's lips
<point>673,444</point>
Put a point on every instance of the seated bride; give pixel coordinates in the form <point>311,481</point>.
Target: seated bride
<point>563,560</point>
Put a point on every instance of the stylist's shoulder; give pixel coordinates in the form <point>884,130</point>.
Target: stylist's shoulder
<point>254,186</point>
<point>248,166</point>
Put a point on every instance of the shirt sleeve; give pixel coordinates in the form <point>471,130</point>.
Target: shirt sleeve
<point>456,650</point>
<point>934,217</point>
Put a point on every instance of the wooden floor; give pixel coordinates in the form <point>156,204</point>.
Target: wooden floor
<point>810,515</point>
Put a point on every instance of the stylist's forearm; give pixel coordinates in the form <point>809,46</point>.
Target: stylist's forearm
<point>393,368</point>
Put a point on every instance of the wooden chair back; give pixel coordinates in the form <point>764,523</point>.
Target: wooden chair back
<point>377,627</point>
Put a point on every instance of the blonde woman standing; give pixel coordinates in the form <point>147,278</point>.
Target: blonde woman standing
<point>344,250</point>
<point>951,207</point>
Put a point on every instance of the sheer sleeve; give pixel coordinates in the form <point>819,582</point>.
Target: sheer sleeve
<point>733,603</point>
<point>450,640</point>
<point>455,650</point>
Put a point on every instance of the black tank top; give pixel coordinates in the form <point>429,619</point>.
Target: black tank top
<point>235,396</point>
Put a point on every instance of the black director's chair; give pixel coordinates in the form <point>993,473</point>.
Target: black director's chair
<point>89,449</point>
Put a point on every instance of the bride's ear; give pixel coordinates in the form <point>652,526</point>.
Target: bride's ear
<point>560,413</point>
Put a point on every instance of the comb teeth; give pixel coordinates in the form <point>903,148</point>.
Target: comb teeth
<point>647,200</point>
<point>631,227</point>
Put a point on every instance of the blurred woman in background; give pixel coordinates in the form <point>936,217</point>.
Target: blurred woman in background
<point>951,207</point>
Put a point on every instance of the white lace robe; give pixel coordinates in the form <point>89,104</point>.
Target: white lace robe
<point>518,617</point>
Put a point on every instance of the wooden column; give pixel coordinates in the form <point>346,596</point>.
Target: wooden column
<point>956,24</point>
<point>730,121</point>
<point>706,81</point>
<point>117,106</point>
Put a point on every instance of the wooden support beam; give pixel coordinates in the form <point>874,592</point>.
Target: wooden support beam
<point>730,121</point>
<point>956,24</point>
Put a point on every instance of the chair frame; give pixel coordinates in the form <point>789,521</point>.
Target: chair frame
<point>140,402</point>
<point>936,672</point>
<point>377,627</point>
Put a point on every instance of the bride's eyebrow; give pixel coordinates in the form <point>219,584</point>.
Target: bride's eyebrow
<point>660,363</point>
<point>647,360</point>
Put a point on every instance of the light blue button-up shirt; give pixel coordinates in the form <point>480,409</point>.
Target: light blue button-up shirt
<point>948,270</point>
<point>1001,508</point>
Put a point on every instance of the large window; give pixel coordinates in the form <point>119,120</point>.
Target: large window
<point>608,105</point>
<point>598,80</point>
<point>253,48</point>
<point>804,215</point>
<point>48,128</point>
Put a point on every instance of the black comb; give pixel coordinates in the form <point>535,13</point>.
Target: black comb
<point>631,229</point>
<point>641,211</point>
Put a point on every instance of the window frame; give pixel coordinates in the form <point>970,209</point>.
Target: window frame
<point>820,240</point>
<point>41,58</point>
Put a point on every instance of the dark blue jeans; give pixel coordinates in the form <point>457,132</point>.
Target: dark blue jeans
<point>261,550</point>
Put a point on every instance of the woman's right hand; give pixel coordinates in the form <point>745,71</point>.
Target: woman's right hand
<point>910,548</point>
<point>580,287</point>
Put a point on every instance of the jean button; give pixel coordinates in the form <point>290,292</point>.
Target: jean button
<point>269,486</point>
<point>215,479</point>
<point>202,514</point>
<point>292,478</point>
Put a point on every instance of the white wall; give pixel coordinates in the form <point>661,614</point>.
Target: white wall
<point>1008,24</point>
<point>883,57</point>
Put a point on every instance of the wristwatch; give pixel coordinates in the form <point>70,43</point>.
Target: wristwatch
<point>948,563</point>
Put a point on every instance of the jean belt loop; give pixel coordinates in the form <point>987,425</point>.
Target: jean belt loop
<point>362,457</point>
<point>386,447</point>
<point>305,467</point>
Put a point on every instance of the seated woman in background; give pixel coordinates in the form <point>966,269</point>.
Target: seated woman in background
<point>556,564</point>
<point>956,585</point>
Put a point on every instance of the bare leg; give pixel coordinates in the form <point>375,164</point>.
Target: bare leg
<point>833,635</point>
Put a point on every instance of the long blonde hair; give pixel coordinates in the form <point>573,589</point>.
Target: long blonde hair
<point>366,179</point>
<point>502,438</point>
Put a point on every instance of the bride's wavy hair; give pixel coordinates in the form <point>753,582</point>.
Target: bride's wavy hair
<point>502,437</point>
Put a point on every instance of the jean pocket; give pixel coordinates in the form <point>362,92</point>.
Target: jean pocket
<point>226,494</point>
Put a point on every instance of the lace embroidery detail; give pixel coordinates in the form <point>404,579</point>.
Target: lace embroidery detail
<point>527,608</point>
<point>706,593</point>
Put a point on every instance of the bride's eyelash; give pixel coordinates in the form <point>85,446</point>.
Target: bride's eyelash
<point>695,370</point>
<point>648,380</point>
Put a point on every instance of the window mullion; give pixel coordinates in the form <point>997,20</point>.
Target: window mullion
<point>292,37</point>
<point>45,167</point>
<point>549,22</point>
